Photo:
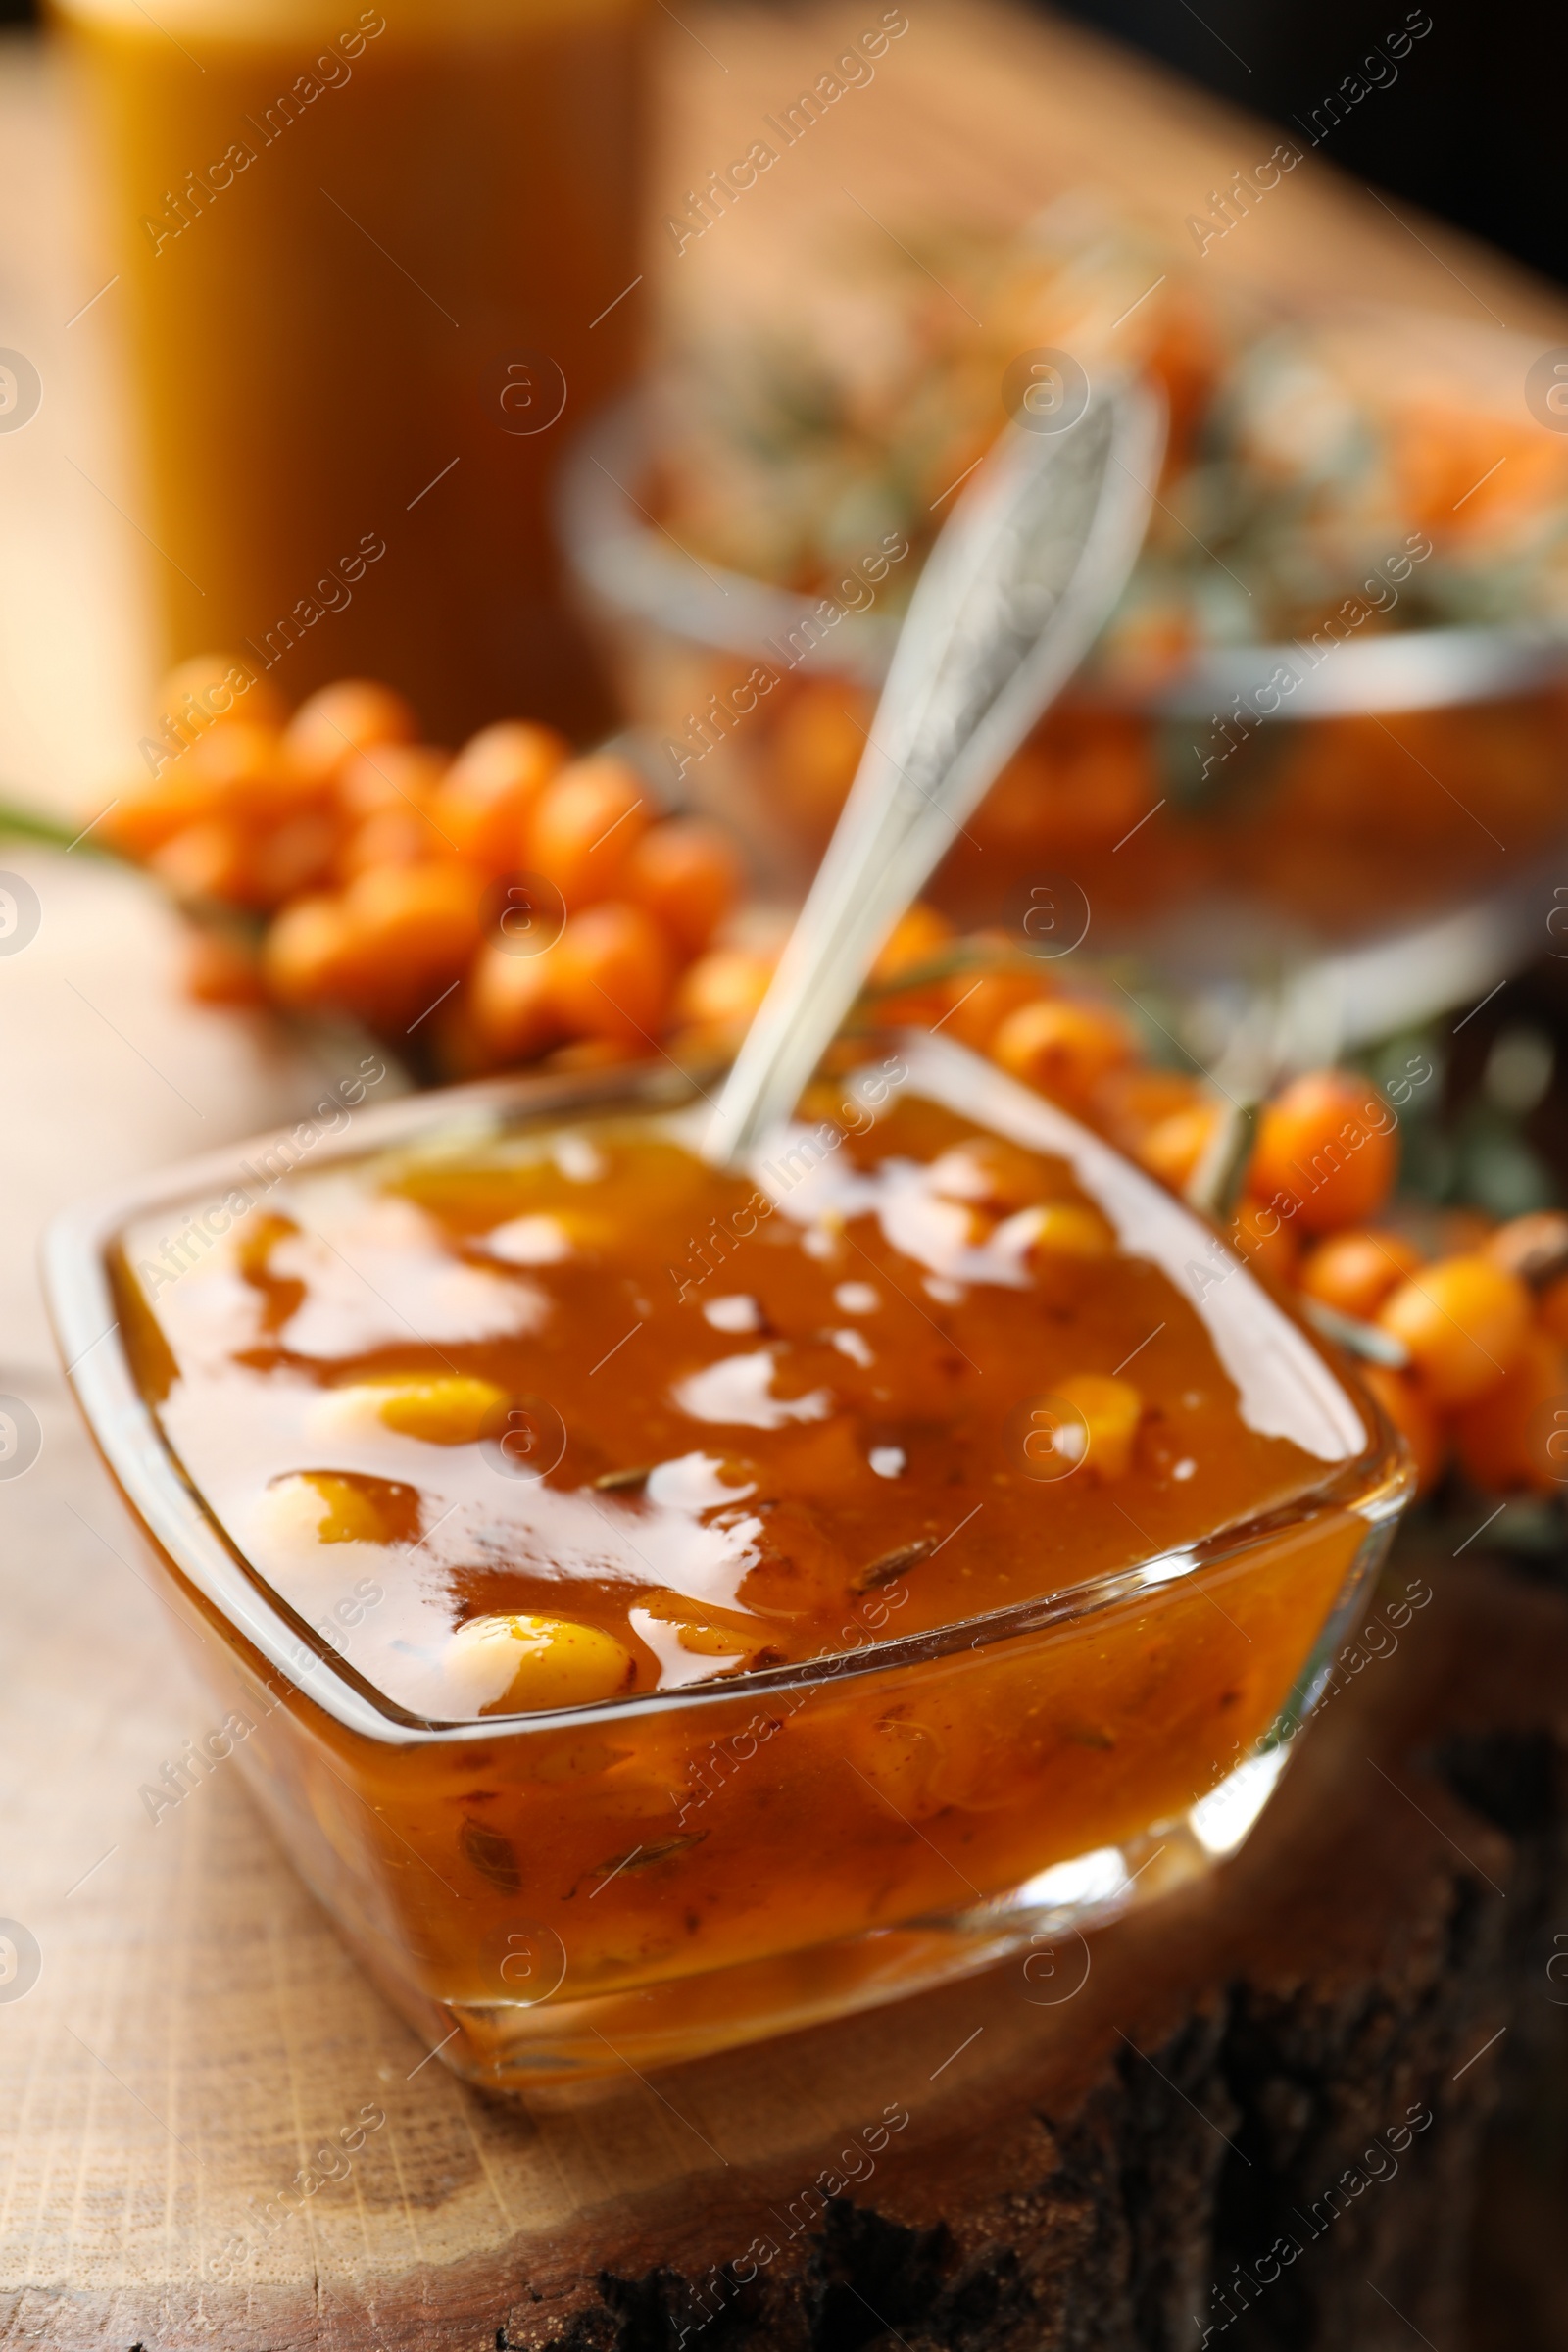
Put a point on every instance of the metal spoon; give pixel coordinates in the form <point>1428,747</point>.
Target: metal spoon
<point>1022,579</point>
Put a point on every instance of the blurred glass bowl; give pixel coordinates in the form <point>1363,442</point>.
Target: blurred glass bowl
<point>1370,817</point>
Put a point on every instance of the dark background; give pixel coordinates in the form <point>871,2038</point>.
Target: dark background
<point>1471,129</point>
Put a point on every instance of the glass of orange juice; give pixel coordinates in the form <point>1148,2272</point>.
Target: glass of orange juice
<point>375,267</point>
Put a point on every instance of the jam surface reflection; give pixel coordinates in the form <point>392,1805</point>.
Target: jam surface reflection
<point>542,1416</point>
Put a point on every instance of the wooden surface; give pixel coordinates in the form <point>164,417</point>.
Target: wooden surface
<point>982,113</point>
<point>196,2029</point>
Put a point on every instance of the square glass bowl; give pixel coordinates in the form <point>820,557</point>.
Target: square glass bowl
<point>551,1896</point>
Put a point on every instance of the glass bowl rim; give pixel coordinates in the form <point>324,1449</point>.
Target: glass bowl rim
<point>620,556</point>
<point>1374,1485</point>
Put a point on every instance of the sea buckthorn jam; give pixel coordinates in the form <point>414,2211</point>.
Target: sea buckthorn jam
<point>673,1485</point>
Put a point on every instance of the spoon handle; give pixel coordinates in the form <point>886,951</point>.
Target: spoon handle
<point>1022,579</point>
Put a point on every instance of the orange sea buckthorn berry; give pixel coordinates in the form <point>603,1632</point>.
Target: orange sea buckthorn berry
<point>1353,1272</point>
<point>416,923</point>
<point>1412,1416</point>
<point>1502,1439</point>
<point>976,1006</point>
<point>1330,1141</point>
<point>214,689</point>
<point>1266,1240</point>
<point>612,974</point>
<point>393,775</point>
<point>716,1642</point>
<point>1465,1322</point>
<point>147,814</point>
<point>243,766</point>
<point>1070,1229</point>
<point>1063,1046</point>
<point>512,1004</point>
<point>995,1175</point>
<point>206,861</point>
<point>320,1507</point>
<point>686,874</point>
<point>918,936</point>
<point>1173,1148</point>
<point>706,1630</point>
<point>293,856</point>
<point>722,989</point>
<point>585,825</point>
<point>439,1408</point>
<point>491,788</point>
<point>818,741</point>
<point>1107,1412</point>
<point>351,715</point>
<point>400,836</point>
<point>1132,1101</point>
<point>511,1664</point>
<point>309,953</point>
